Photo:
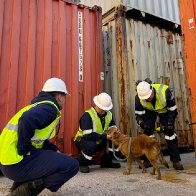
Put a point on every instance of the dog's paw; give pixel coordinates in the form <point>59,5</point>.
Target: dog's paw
<point>126,172</point>
<point>158,177</point>
<point>144,170</point>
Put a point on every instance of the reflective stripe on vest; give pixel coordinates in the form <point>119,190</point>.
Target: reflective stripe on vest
<point>97,126</point>
<point>160,105</point>
<point>9,136</point>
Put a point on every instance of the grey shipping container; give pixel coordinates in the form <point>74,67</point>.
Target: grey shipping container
<point>166,9</point>
<point>135,50</point>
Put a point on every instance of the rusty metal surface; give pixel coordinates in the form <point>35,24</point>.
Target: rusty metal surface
<point>134,50</point>
<point>188,18</point>
<point>160,8</point>
<point>49,38</point>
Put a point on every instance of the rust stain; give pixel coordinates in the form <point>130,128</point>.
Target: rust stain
<point>170,38</point>
<point>122,73</point>
<point>174,179</point>
<point>148,42</point>
<point>179,176</point>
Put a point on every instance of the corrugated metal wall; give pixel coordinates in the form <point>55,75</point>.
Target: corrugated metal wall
<point>167,9</point>
<point>48,38</point>
<point>134,50</point>
<point>188,21</point>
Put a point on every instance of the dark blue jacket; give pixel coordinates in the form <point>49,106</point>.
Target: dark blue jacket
<point>37,117</point>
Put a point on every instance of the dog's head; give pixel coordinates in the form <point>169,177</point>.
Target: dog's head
<point>114,133</point>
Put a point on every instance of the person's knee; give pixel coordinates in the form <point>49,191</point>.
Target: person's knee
<point>75,167</point>
<point>71,165</point>
<point>69,170</point>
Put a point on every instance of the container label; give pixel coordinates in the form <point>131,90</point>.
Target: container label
<point>191,23</point>
<point>80,46</point>
<point>101,75</point>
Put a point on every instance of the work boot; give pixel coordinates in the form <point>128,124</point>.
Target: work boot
<point>111,165</point>
<point>84,169</point>
<point>31,188</point>
<point>177,165</point>
<point>15,185</point>
<point>106,161</point>
<point>83,162</point>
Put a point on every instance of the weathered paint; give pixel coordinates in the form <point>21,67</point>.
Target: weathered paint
<point>39,40</point>
<point>188,22</point>
<point>134,50</point>
<point>166,9</point>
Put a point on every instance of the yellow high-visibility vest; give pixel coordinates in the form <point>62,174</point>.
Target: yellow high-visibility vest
<point>9,136</point>
<point>97,126</point>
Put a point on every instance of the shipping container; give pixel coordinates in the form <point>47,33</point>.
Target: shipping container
<point>166,9</point>
<point>134,50</point>
<point>188,18</point>
<point>49,38</point>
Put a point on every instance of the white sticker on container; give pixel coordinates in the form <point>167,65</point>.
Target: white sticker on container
<point>80,46</point>
<point>101,75</point>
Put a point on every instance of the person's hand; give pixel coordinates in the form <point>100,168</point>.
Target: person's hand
<point>109,136</point>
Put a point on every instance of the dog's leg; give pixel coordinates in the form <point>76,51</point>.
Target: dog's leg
<point>140,164</point>
<point>129,165</point>
<point>155,167</point>
<point>162,160</point>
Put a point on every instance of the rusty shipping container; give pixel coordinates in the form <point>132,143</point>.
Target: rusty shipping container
<point>188,22</point>
<point>134,50</point>
<point>49,38</point>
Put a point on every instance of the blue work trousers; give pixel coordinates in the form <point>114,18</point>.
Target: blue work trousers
<point>54,168</point>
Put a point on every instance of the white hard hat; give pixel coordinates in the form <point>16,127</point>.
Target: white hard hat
<point>144,90</point>
<point>55,85</point>
<point>103,101</point>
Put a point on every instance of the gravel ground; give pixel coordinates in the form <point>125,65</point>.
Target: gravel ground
<point>111,182</point>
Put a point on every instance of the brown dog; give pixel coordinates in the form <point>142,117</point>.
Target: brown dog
<point>134,147</point>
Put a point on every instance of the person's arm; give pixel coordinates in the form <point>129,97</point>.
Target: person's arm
<point>86,125</point>
<point>37,117</point>
<point>171,106</point>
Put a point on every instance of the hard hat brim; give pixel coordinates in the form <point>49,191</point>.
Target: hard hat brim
<point>95,100</point>
<point>146,96</point>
